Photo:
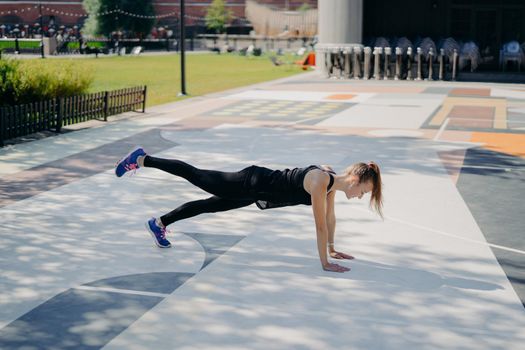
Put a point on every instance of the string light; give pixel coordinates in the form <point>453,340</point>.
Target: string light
<point>8,12</point>
<point>118,11</point>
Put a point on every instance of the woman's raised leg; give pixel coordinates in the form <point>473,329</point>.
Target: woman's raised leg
<point>227,185</point>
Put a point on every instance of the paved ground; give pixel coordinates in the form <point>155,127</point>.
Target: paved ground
<point>445,269</point>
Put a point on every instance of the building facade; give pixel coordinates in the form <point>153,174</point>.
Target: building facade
<point>489,24</point>
<point>70,13</point>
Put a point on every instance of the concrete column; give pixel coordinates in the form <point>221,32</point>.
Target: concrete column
<point>340,22</point>
<point>366,71</point>
<point>399,53</point>
<point>50,46</point>
<point>409,64</point>
<point>441,58</point>
<point>430,64</point>
<point>454,64</point>
<point>347,56</point>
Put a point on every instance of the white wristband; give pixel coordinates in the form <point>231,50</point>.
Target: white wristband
<point>330,244</point>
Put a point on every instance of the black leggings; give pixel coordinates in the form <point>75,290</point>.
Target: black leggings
<point>228,188</point>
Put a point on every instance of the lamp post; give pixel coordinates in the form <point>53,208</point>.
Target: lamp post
<point>182,52</point>
<point>16,33</point>
<point>41,30</point>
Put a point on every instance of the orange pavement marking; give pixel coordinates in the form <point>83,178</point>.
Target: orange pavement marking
<point>340,97</point>
<point>513,144</point>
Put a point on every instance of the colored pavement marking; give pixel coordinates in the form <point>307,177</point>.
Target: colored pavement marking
<point>513,144</point>
<point>91,315</point>
<point>519,110</point>
<point>285,97</point>
<point>76,319</point>
<point>491,183</point>
<point>472,111</point>
<point>272,109</point>
<point>343,87</point>
<point>508,93</point>
<point>500,106</point>
<point>470,92</point>
<point>153,282</point>
<point>516,121</point>
<point>437,90</point>
<point>382,116</point>
<point>62,171</point>
<point>214,244</point>
<point>471,116</point>
<point>340,97</point>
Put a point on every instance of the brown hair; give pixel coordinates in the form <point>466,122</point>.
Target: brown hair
<point>370,172</point>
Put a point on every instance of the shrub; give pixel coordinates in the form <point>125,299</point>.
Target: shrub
<point>30,81</point>
<point>8,72</point>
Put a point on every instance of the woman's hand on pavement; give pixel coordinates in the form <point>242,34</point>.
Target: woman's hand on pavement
<point>335,268</point>
<point>339,255</point>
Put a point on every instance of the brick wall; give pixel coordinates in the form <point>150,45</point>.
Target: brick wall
<point>26,12</point>
<point>22,12</point>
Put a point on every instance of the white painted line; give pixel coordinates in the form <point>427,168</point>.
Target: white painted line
<point>121,291</point>
<point>458,237</point>
<point>485,167</point>
<point>496,246</point>
<point>303,120</point>
<point>441,129</point>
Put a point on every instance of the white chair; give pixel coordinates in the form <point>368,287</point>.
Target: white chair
<point>135,51</point>
<point>511,52</point>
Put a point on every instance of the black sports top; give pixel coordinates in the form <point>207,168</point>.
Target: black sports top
<point>280,188</point>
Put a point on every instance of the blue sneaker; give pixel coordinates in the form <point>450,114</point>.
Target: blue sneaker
<point>129,162</point>
<point>158,233</point>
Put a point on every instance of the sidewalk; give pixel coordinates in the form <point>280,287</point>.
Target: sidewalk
<point>444,270</point>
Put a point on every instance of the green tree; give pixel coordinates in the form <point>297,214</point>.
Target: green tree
<point>92,7</point>
<point>304,7</point>
<point>217,16</point>
<point>120,21</point>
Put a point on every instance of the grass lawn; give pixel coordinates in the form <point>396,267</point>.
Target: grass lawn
<point>205,73</point>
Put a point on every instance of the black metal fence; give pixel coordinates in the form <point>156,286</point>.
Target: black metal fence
<point>21,120</point>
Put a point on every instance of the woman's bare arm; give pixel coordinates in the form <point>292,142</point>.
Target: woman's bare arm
<point>317,184</point>
<point>330,218</point>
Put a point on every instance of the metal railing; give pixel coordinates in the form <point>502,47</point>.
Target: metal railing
<point>359,62</point>
<point>21,120</point>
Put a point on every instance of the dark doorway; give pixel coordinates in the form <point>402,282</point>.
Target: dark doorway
<point>487,31</point>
